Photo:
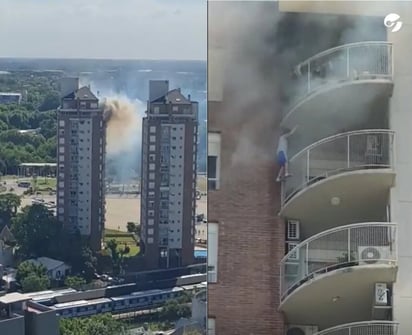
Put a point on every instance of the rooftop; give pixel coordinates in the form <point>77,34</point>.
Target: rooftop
<point>47,262</point>
<point>10,93</point>
<point>38,164</point>
<point>12,298</point>
<point>174,97</point>
<point>83,93</point>
<point>6,235</point>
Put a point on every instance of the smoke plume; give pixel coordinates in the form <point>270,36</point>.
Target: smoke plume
<point>262,46</point>
<point>123,125</point>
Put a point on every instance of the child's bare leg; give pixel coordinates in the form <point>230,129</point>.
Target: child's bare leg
<point>281,173</point>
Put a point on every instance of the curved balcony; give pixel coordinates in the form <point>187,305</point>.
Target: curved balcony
<point>347,165</point>
<point>363,328</point>
<point>336,270</point>
<point>349,76</point>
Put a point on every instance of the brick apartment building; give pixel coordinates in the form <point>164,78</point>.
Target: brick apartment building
<point>243,202</point>
<point>81,135</point>
<point>169,151</point>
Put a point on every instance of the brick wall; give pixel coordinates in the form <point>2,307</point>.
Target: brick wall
<point>251,235</point>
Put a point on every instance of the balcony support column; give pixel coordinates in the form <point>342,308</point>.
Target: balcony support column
<point>347,63</point>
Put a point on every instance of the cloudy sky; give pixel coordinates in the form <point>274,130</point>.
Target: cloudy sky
<point>119,29</point>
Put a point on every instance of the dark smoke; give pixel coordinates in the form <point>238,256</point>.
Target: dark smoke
<point>262,47</point>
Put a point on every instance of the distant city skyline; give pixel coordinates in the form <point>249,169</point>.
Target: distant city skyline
<point>104,29</point>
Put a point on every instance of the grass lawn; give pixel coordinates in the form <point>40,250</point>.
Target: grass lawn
<point>122,239</point>
<point>44,183</point>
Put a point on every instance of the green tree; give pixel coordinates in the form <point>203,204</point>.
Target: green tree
<point>117,255</point>
<point>37,232</point>
<point>172,311</point>
<point>27,268</point>
<point>9,203</point>
<point>33,283</point>
<point>102,324</point>
<point>131,227</point>
<point>75,282</point>
<point>32,277</point>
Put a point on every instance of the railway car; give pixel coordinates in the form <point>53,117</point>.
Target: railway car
<point>84,307</point>
<point>132,302</point>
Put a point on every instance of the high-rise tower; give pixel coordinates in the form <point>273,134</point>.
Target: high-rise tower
<point>169,149</point>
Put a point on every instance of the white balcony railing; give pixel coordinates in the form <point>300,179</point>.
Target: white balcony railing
<point>356,150</point>
<point>349,62</point>
<point>351,245</point>
<point>363,328</point>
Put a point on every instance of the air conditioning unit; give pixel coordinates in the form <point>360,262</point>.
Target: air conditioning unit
<point>293,230</point>
<point>373,254</point>
<point>294,256</point>
<point>302,330</point>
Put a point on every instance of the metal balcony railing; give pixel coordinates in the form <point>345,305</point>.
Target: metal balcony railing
<point>349,62</point>
<point>363,328</point>
<point>356,150</point>
<point>351,245</point>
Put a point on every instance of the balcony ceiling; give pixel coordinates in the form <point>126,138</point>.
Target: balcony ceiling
<point>363,196</point>
<point>312,303</point>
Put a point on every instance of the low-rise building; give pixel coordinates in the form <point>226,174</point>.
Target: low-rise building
<point>20,316</point>
<point>10,98</point>
<point>56,269</point>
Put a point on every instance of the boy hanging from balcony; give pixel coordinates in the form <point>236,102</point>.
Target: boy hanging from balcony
<point>282,156</point>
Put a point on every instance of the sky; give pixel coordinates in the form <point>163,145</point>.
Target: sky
<point>104,29</point>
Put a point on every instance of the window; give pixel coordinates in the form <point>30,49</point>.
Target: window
<point>152,138</point>
<point>61,123</point>
<point>151,166</point>
<point>152,147</point>
<point>151,176</point>
<point>213,161</point>
<point>152,129</point>
<point>150,222</point>
<point>150,240</point>
<point>175,108</point>
<point>212,250</point>
<point>156,109</point>
<point>211,327</point>
<point>150,231</point>
<point>93,105</point>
